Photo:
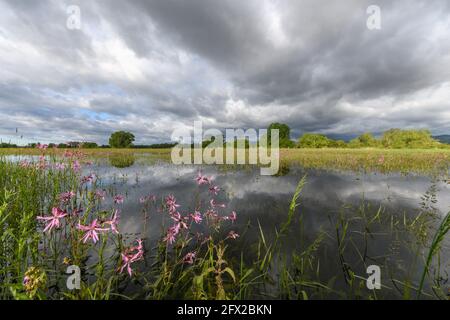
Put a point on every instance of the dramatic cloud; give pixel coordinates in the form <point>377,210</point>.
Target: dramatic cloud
<point>149,66</point>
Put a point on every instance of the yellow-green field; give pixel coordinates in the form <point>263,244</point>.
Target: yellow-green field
<point>382,160</point>
<point>368,159</point>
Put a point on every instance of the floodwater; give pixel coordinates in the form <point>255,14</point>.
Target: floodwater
<point>327,196</point>
<point>370,209</point>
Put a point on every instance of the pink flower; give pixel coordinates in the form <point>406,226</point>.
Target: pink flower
<point>211,214</point>
<point>214,204</point>
<point>232,217</point>
<point>100,194</point>
<point>87,179</point>
<point>140,250</point>
<point>91,231</point>
<point>114,222</point>
<point>214,190</point>
<point>131,255</point>
<point>53,220</point>
<point>24,164</point>
<point>171,235</point>
<point>60,166</point>
<point>126,263</point>
<point>68,154</point>
<point>196,217</point>
<point>179,221</point>
<point>66,196</point>
<point>42,163</point>
<point>118,199</point>
<point>42,146</point>
<point>232,235</point>
<point>189,258</point>
<point>381,160</point>
<point>201,179</point>
<point>171,204</point>
<point>76,166</point>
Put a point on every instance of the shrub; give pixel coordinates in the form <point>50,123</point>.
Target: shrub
<point>313,140</point>
<point>397,138</point>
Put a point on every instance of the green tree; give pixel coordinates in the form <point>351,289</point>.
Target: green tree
<point>284,134</point>
<point>121,139</point>
<point>363,141</point>
<point>337,143</point>
<point>89,145</point>
<point>313,140</point>
<point>397,138</point>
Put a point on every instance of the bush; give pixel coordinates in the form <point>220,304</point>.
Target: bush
<point>314,140</point>
<point>337,144</point>
<point>89,145</point>
<point>364,141</point>
<point>397,138</point>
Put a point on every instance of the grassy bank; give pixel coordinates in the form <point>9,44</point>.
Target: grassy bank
<point>380,160</point>
<point>368,159</point>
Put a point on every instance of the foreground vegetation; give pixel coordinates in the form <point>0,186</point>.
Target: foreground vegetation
<point>54,212</point>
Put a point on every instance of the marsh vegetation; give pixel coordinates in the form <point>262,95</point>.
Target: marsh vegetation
<point>141,228</point>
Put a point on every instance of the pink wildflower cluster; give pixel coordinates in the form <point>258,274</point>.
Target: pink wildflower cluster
<point>60,166</point>
<point>25,164</point>
<point>42,163</point>
<point>74,159</point>
<point>180,222</point>
<point>212,215</point>
<point>91,231</point>
<point>42,146</point>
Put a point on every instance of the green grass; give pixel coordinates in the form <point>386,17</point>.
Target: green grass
<point>369,160</point>
<point>429,161</point>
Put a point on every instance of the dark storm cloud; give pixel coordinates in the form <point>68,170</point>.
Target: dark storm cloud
<point>150,66</point>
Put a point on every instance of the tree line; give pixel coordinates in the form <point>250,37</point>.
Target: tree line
<point>393,138</point>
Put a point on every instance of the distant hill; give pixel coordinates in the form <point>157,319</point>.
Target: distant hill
<point>443,138</point>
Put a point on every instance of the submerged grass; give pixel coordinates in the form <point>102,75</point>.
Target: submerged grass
<point>434,250</point>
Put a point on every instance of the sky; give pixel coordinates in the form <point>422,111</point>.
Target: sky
<point>153,66</point>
